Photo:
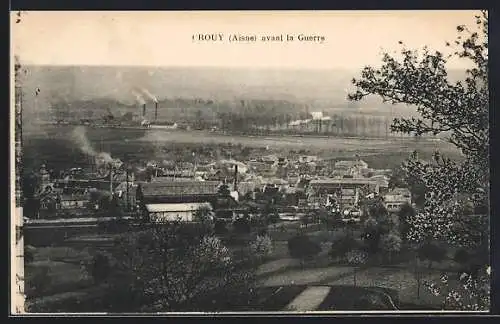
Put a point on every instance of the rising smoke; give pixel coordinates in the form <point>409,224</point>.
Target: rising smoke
<point>79,137</point>
<point>149,95</point>
<point>139,97</point>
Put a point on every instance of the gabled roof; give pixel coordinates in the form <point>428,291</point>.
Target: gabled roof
<point>153,208</point>
<point>179,188</point>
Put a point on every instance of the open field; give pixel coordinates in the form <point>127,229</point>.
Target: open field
<point>54,146</point>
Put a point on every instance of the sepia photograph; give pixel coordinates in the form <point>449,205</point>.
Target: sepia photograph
<point>249,162</point>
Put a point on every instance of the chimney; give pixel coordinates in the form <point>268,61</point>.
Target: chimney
<point>156,110</point>
<point>143,110</point>
<point>235,177</point>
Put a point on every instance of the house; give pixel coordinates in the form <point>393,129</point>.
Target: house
<point>331,185</point>
<point>308,159</point>
<point>352,167</point>
<point>166,201</point>
<point>159,213</point>
<point>396,198</point>
<point>73,201</point>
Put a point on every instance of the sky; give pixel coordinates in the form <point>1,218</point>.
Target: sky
<point>353,39</point>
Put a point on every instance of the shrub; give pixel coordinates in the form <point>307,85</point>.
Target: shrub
<point>390,243</point>
<point>356,257</point>
<point>341,246</point>
<point>302,247</point>
<point>203,214</point>
<point>212,253</point>
<point>262,247</point>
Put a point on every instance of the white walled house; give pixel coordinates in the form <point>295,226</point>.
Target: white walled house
<point>172,212</point>
<point>396,198</point>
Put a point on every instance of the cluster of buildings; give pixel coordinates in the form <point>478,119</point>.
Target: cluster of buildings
<point>178,191</point>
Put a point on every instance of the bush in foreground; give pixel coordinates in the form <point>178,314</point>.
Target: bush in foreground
<point>342,246</point>
<point>262,247</point>
<point>159,270</point>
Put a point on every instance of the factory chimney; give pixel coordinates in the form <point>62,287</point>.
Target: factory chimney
<point>144,110</point>
<point>156,110</point>
<point>235,177</point>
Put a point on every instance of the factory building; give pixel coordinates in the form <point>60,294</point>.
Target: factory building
<point>167,201</point>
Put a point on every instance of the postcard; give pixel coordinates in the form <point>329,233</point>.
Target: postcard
<point>249,162</point>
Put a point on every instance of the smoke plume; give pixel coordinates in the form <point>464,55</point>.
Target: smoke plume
<point>139,97</point>
<point>79,137</point>
<point>149,95</point>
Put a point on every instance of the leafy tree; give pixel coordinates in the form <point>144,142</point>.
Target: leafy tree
<point>341,246</point>
<point>405,214</point>
<point>166,268</point>
<point>262,247</point>
<point>356,258</point>
<point>390,244</point>
<point>459,110</point>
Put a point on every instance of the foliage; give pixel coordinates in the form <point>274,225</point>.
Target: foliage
<point>342,246</point>
<point>390,243</point>
<point>302,247</point>
<point>262,247</point>
<point>100,268</point>
<point>459,110</point>
<point>378,224</point>
<point>203,214</point>
<point>164,268</point>
<point>406,213</point>
<point>356,257</point>
<point>470,294</point>
<point>224,191</point>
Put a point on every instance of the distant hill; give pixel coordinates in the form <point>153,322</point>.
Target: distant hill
<point>84,88</point>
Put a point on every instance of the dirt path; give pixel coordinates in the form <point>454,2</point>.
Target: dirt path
<point>309,299</point>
